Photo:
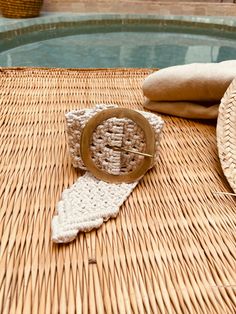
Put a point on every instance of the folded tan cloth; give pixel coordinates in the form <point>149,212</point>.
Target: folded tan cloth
<point>184,109</point>
<point>191,90</point>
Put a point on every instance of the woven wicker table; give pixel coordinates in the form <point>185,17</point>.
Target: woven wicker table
<point>170,250</point>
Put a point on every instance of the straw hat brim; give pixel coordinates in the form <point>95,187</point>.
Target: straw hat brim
<point>226,134</point>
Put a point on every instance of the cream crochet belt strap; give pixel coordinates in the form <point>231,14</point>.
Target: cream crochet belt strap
<point>114,149</point>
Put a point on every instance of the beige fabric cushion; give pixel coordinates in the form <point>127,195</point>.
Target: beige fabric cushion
<point>190,82</point>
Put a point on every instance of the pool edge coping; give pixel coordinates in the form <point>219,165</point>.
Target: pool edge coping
<point>15,25</point>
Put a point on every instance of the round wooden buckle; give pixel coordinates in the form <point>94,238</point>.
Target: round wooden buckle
<point>148,155</point>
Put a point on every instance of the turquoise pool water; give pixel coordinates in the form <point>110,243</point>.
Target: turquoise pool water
<point>116,44</point>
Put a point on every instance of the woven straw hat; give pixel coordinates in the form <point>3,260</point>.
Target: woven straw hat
<point>226,134</point>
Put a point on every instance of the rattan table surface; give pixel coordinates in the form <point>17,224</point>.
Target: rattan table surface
<point>171,249</point>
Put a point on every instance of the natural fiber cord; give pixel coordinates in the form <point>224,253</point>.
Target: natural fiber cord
<point>171,249</point>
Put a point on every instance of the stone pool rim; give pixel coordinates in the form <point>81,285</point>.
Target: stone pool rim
<point>221,26</point>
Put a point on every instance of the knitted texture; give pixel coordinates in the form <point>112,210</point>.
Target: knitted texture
<point>86,204</point>
<point>112,132</point>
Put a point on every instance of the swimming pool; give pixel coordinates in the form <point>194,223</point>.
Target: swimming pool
<point>116,41</point>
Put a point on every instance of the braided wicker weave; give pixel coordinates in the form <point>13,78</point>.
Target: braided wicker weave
<point>20,8</point>
<point>226,134</point>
